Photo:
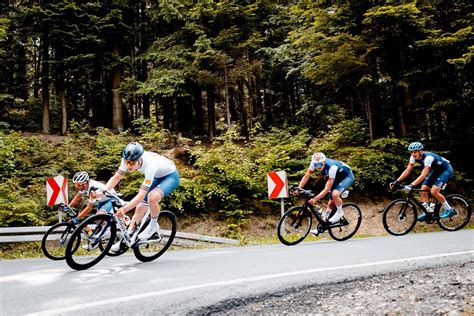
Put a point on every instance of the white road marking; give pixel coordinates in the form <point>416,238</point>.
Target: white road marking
<point>121,300</point>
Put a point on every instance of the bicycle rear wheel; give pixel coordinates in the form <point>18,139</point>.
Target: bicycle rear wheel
<point>349,223</point>
<point>55,240</point>
<point>91,246</point>
<point>462,215</point>
<point>154,247</point>
<point>294,226</point>
<point>399,217</point>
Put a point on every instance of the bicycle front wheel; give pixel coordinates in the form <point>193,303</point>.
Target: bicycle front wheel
<point>157,245</point>
<point>399,217</point>
<point>462,213</point>
<point>55,240</point>
<point>88,246</point>
<point>294,226</point>
<point>349,223</point>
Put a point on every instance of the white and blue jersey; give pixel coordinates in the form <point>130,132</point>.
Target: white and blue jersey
<point>160,172</point>
<point>338,172</point>
<point>440,168</point>
<point>94,193</point>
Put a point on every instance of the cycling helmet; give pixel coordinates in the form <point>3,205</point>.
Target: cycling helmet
<point>132,151</point>
<point>318,158</point>
<point>80,177</point>
<point>415,146</point>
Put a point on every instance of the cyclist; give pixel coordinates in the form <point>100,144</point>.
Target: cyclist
<point>161,178</point>
<point>340,178</point>
<point>91,189</point>
<point>436,172</point>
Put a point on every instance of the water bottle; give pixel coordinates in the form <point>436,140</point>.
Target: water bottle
<point>126,219</point>
<point>432,205</point>
<point>427,207</point>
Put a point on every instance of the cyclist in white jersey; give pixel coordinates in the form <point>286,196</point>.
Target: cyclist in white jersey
<point>93,191</point>
<point>161,178</point>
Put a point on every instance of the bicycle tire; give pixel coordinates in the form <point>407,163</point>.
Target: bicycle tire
<point>463,211</point>
<point>147,252</point>
<point>392,215</point>
<point>352,219</point>
<point>84,258</point>
<point>49,243</point>
<point>294,226</point>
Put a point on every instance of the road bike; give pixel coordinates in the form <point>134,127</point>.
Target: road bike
<point>55,239</point>
<point>104,232</point>
<point>400,215</point>
<point>296,223</point>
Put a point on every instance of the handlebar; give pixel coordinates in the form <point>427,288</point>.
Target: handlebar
<point>398,186</point>
<point>115,196</point>
<point>62,207</point>
<point>303,192</point>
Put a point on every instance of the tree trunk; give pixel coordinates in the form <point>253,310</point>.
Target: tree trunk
<point>45,80</point>
<point>62,98</point>
<point>243,110</point>
<point>117,106</point>
<point>211,114</point>
<point>198,111</point>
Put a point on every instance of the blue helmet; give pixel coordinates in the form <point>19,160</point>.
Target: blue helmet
<point>415,146</point>
<point>132,151</point>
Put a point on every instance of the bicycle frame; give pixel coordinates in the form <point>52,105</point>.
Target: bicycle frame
<point>318,215</point>
<point>411,198</point>
<point>133,240</point>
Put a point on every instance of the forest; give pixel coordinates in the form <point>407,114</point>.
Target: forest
<point>252,84</point>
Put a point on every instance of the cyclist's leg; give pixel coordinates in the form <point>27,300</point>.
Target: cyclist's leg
<point>344,184</point>
<point>436,190</point>
<point>426,186</point>
<point>158,190</point>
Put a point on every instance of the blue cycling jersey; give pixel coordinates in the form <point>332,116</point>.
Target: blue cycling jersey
<point>333,168</point>
<point>433,161</point>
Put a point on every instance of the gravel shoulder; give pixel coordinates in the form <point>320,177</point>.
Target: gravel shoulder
<point>438,290</point>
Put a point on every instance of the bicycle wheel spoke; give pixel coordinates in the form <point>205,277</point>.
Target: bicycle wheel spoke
<point>294,226</point>
<point>89,245</point>
<point>399,217</point>
<point>461,216</point>
<point>349,223</point>
<point>154,247</point>
<point>55,240</point>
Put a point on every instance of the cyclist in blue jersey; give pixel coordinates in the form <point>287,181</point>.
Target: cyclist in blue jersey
<point>340,178</point>
<point>436,173</point>
<point>93,191</point>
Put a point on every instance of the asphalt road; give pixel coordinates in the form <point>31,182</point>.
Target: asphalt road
<point>183,281</point>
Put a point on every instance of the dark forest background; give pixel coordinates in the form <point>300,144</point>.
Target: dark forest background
<point>381,72</point>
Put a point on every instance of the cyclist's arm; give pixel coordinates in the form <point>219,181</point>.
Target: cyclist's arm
<point>113,181</point>
<point>421,177</point>
<point>405,173</point>
<point>305,179</point>
<point>75,200</point>
<point>325,191</point>
<point>85,211</point>
<point>135,201</point>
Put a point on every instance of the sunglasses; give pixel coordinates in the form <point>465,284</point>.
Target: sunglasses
<point>131,162</point>
<point>318,165</point>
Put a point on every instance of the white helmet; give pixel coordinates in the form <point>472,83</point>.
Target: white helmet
<point>318,158</point>
<point>80,177</point>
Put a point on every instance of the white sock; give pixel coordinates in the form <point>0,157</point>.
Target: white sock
<point>446,205</point>
<point>153,222</point>
<point>339,209</point>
